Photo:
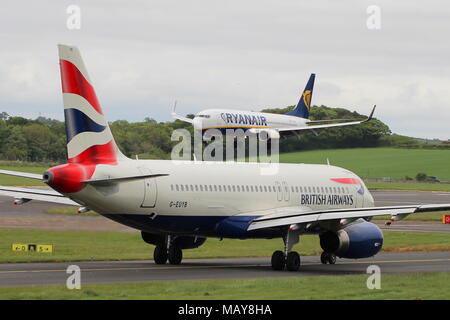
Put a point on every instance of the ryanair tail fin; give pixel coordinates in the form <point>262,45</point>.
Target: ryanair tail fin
<point>303,106</point>
<point>89,139</point>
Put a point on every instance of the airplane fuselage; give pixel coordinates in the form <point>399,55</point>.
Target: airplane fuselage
<point>217,198</point>
<point>236,119</point>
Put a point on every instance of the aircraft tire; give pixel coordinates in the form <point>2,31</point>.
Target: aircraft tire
<point>324,258</point>
<point>331,258</point>
<point>278,261</point>
<point>175,255</point>
<point>160,255</point>
<point>293,261</point>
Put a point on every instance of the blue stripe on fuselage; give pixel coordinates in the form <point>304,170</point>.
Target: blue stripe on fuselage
<point>77,122</point>
<point>212,226</point>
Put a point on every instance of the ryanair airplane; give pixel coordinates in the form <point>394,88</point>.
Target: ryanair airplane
<point>177,205</point>
<point>274,125</point>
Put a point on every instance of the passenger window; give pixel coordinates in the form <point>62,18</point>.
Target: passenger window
<point>171,187</point>
<point>182,187</point>
<point>176,186</point>
<point>234,188</point>
<point>238,189</point>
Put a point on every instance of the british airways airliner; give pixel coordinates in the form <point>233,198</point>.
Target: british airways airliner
<point>272,124</point>
<point>177,205</point>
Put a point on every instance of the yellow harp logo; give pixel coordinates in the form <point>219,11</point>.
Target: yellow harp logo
<point>307,98</point>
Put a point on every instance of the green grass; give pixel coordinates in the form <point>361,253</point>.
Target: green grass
<point>112,245</point>
<point>393,286</point>
<point>380,162</point>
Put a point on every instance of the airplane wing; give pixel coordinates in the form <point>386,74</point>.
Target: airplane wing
<point>318,124</point>
<point>290,216</point>
<point>46,195</point>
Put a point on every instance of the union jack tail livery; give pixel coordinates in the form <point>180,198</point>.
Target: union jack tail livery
<point>89,139</point>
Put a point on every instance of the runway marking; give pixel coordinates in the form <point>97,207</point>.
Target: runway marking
<point>223,266</point>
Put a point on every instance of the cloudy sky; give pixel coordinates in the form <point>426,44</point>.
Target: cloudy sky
<point>251,54</point>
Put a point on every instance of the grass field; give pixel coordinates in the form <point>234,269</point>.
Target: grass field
<point>110,245</point>
<point>380,162</point>
<point>393,286</point>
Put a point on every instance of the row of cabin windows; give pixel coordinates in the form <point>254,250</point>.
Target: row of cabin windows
<point>252,188</point>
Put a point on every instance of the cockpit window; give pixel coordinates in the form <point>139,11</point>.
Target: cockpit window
<point>203,116</point>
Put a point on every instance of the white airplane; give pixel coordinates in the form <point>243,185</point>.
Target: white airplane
<point>274,125</point>
<point>178,204</point>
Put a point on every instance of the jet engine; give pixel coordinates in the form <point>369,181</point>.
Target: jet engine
<point>360,239</point>
<point>265,134</point>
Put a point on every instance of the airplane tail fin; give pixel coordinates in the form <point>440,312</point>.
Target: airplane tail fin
<point>89,139</point>
<point>304,104</point>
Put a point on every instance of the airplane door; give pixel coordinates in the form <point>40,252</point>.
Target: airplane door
<point>150,190</point>
<point>287,194</point>
<point>279,191</point>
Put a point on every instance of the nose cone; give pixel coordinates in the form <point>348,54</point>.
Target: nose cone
<point>369,200</point>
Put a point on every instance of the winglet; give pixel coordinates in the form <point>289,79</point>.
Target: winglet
<point>371,114</point>
<point>178,117</point>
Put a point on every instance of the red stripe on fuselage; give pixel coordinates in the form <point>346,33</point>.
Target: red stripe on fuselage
<point>347,180</point>
<point>74,82</point>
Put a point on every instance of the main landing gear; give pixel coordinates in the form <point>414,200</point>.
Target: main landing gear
<point>167,251</point>
<point>287,259</point>
<point>326,257</point>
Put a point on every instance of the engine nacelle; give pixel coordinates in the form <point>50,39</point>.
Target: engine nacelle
<point>356,240</point>
<point>266,134</point>
<point>182,242</point>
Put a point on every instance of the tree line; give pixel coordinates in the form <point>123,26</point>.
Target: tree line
<point>44,140</point>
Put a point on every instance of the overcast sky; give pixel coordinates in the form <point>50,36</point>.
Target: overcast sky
<point>247,54</point>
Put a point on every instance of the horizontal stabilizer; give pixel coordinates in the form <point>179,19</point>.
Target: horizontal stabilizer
<point>109,180</point>
<point>22,174</point>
